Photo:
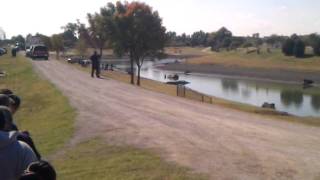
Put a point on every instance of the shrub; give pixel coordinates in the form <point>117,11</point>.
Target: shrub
<point>299,48</point>
<point>316,47</point>
<point>288,46</point>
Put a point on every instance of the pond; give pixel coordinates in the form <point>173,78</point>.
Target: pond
<point>291,98</point>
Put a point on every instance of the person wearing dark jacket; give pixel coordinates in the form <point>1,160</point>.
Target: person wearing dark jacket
<point>95,64</point>
<point>13,102</point>
<point>15,155</point>
<point>5,100</point>
<point>6,91</point>
<point>21,136</point>
<point>43,169</point>
<point>14,52</point>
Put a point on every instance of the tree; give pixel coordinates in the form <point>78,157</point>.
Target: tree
<point>199,38</point>
<point>71,27</point>
<point>141,32</point>
<point>314,41</point>
<point>294,46</point>
<point>237,42</point>
<point>121,42</point>
<point>57,44</point>
<point>247,44</point>
<point>316,47</point>
<point>70,34</point>
<point>45,39</point>
<point>299,48</point>
<point>96,32</point>
<point>100,26</point>
<point>19,40</point>
<point>83,33</point>
<point>81,47</point>
<point>287,47</point>
<point>220,39</point>
<point>171,38</point>
<point>275,40</point>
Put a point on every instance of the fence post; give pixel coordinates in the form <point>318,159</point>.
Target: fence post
<point>177,90</point>
<point>202,98</point>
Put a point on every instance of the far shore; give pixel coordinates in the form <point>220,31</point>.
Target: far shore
<point>280,75</point>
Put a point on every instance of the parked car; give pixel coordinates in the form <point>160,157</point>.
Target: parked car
<point>28,51</point>
<point>39,51</point>
<point>3,51</point>
<point>73,60</point>
<point>85,62</point>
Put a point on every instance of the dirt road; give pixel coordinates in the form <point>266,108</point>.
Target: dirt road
<point>226,144</point>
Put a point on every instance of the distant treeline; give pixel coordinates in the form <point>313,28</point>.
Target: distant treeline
<point>223,39</point>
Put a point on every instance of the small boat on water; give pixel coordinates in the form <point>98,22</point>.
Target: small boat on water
<point>187,72</point>
<point>173,77</point>
<point>308,82</point>
<point>177,82</point>
<point>2,73</point>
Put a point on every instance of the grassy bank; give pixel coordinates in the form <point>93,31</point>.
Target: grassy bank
<point>273,60</point>
<point>96,160</point>
<point>46,113</point>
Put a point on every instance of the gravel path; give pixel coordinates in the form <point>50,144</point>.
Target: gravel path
<point>226,144</point>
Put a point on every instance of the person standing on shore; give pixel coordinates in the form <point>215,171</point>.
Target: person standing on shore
<point>95,61</point>
<point>14,52</point>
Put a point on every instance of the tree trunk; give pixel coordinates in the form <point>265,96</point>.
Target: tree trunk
<point>138,80</point>
<point>131,68</point>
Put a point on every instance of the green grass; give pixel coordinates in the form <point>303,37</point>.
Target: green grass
<point>240,58</point>
<point>96,160</point>
<point>45,112</point>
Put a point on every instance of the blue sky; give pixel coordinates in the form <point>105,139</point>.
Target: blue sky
<point>242,17</point>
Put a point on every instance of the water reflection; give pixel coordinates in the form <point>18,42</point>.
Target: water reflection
<point>246,93</point>
<point>292,97</point>
<point>230,85</point>
<point>315,101</point>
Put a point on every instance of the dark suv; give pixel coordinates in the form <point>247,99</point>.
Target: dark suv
<point>39,51</point>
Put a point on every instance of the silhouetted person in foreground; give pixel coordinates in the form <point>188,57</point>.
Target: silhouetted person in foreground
<point>6,91</point>
<point>12,103</point>
<point>41,170</point>
<point>15,156</point>
<point>95,61</point>
<point>30,176</point>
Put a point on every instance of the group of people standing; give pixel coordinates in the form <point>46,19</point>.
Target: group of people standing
<point>19,158</point>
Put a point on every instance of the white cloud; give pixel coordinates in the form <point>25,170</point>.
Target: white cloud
<point>283,8</point>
